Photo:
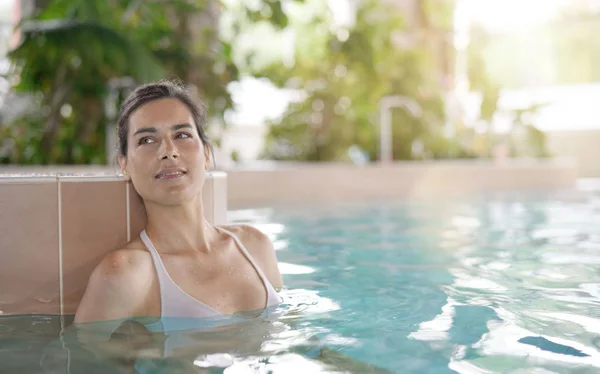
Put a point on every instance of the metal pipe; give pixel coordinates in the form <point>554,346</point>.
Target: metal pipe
<point>385,122</point>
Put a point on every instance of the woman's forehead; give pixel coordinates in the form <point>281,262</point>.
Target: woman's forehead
<point>161,113</point>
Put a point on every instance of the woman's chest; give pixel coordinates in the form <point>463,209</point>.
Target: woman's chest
<point>228,284</point>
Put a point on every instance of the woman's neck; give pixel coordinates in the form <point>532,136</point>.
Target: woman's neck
<point>179,228</point>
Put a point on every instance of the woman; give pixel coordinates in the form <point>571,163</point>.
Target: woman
<point>180,265</point>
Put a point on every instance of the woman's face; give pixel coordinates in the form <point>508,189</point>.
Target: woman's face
<point>166,159</point>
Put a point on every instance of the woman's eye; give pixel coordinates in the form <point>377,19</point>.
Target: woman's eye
<point>183,135</point>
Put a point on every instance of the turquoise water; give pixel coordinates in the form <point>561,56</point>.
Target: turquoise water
<point>507,284</point>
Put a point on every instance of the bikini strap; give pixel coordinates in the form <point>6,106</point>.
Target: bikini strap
<point>267,283</point>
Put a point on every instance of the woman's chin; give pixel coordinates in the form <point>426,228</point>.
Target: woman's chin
<point>179,196</point>
<point>172,194</point>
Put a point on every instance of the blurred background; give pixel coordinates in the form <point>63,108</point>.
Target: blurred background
<point>309,80</point>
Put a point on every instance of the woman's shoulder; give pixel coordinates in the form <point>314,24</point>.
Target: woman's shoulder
<point>254,240</point>
<point>246,231</point>
<point>260,247</point>
<point>125,260</point>
<point>118,286</point>
<point>123,265</point>
<point>128,261</point>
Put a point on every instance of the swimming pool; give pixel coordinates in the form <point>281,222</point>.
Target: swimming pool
<point>509,283</point>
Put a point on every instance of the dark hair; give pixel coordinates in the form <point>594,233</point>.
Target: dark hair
<point>164,89</point>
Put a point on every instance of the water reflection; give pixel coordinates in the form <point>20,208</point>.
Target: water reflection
<point>508,284</point>
<point>287,269</point>
<point>286,342</point>
<point>530,264</point>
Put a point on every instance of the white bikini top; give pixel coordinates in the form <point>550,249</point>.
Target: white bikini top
<point>175,302</point>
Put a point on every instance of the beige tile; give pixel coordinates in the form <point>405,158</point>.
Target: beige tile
<point>403,180</point>
<point>93,223</point>
<point>29,265</point>
<point>137,213</point>
<point>219,198</point>
<point>207,199</point>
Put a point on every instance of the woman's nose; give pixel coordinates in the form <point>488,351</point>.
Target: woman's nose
<point>168,150</point>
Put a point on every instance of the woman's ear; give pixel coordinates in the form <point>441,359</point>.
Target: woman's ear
<point>123,164</point>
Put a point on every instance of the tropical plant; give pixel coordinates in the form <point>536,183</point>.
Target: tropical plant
<point>344,73</point>
<point>75,55</point>
<point>524,139</point>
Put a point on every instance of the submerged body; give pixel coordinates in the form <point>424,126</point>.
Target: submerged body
<point>181,268</point>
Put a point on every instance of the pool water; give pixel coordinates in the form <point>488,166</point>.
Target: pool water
<point>506,284</point>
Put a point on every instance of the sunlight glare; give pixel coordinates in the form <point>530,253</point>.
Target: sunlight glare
<point>512,15</point>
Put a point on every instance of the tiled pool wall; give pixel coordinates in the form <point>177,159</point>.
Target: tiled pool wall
<point>55,229</point>
<point>320,183</point>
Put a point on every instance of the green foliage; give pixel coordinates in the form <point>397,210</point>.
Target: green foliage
<point>271,11</point>
<point>439,13</point>
<point>345,74</point>
<point>72,50</point>
<point>563,51</point>
<point>524,139</point>
<point>479,77</point>
<point>235,156</point>
<point>576,48</point>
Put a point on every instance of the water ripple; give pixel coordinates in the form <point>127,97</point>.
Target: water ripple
<point>507,284</point>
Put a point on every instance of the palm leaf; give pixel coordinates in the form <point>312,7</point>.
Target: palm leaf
<point>86,44</point>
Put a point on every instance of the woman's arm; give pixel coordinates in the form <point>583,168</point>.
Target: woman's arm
<point>116,292</point>
<point>117,288</point>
